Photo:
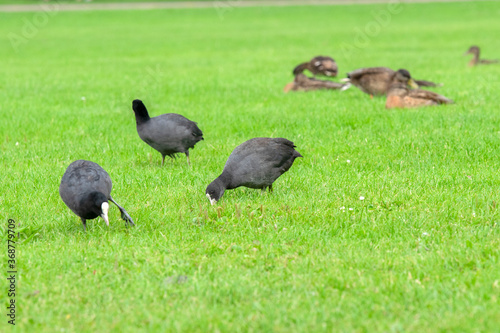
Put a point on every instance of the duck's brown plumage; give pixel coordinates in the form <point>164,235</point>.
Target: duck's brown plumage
<point>319,65</point>
<point>304,83</point>
<point>476,60</point>
<point>377,80</point>
<point>400,96</point>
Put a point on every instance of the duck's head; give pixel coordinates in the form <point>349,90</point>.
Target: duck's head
<point>472,50</point>
<point>404,77</point>
<point>324,66</point>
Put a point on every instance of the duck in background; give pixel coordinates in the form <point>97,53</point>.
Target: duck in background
<point>319,65</point>
<point>475,60</point>
<point>400,96</point>
<point>304,83</point>
<point>376,81</point>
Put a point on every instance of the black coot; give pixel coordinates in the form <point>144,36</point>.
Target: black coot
<point>256,163</point>
<point>168,133</point>
<point>86,188</point>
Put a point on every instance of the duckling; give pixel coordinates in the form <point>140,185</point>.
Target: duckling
<point>475,60</point>
<point>319,65</point>
<point>399,96</point>
<point>304,83</point>
<point>377,80</point>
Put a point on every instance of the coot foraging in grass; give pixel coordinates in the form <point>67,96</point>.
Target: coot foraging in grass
<point>399,96</point>
<point>168,133</point>
<point>86,188</point>
<point>256,163</point>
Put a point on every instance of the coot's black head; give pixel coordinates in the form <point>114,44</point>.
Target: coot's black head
<point>94,205</point>
<point>140,109</point>
<point>324,66</point>
<point>215,191</point>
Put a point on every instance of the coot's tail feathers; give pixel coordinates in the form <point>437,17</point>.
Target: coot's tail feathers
<point>197,132</point>
<point>290,144</point>
<point>284,142</point>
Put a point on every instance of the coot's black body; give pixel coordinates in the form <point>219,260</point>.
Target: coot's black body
<point>256,163</point>
<point>168,133</point>
<point>86,188</point>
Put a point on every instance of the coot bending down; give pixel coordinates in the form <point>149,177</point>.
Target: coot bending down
<point>256,163</point>
<point>86,188</point>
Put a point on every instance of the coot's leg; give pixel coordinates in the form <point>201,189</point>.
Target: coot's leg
<point>187,155</point>
<point>84,224</point>
<point>125,216</point>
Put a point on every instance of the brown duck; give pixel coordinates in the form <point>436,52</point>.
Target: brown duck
<point>319,65</point>
<point>475,60</point>
<point>377,80</point>
<point>304,83</point>
<point>399,96</point>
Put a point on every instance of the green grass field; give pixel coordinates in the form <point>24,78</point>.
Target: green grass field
<point>51,2</point>
<point>420,253</point>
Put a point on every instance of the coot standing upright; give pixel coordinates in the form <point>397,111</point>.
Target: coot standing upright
<point>86,188</point>
<point>256,163</point>
<point>168,133</point>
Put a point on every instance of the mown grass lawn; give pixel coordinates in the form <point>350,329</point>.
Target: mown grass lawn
<point>420,253</point>
<point>53,2</point>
